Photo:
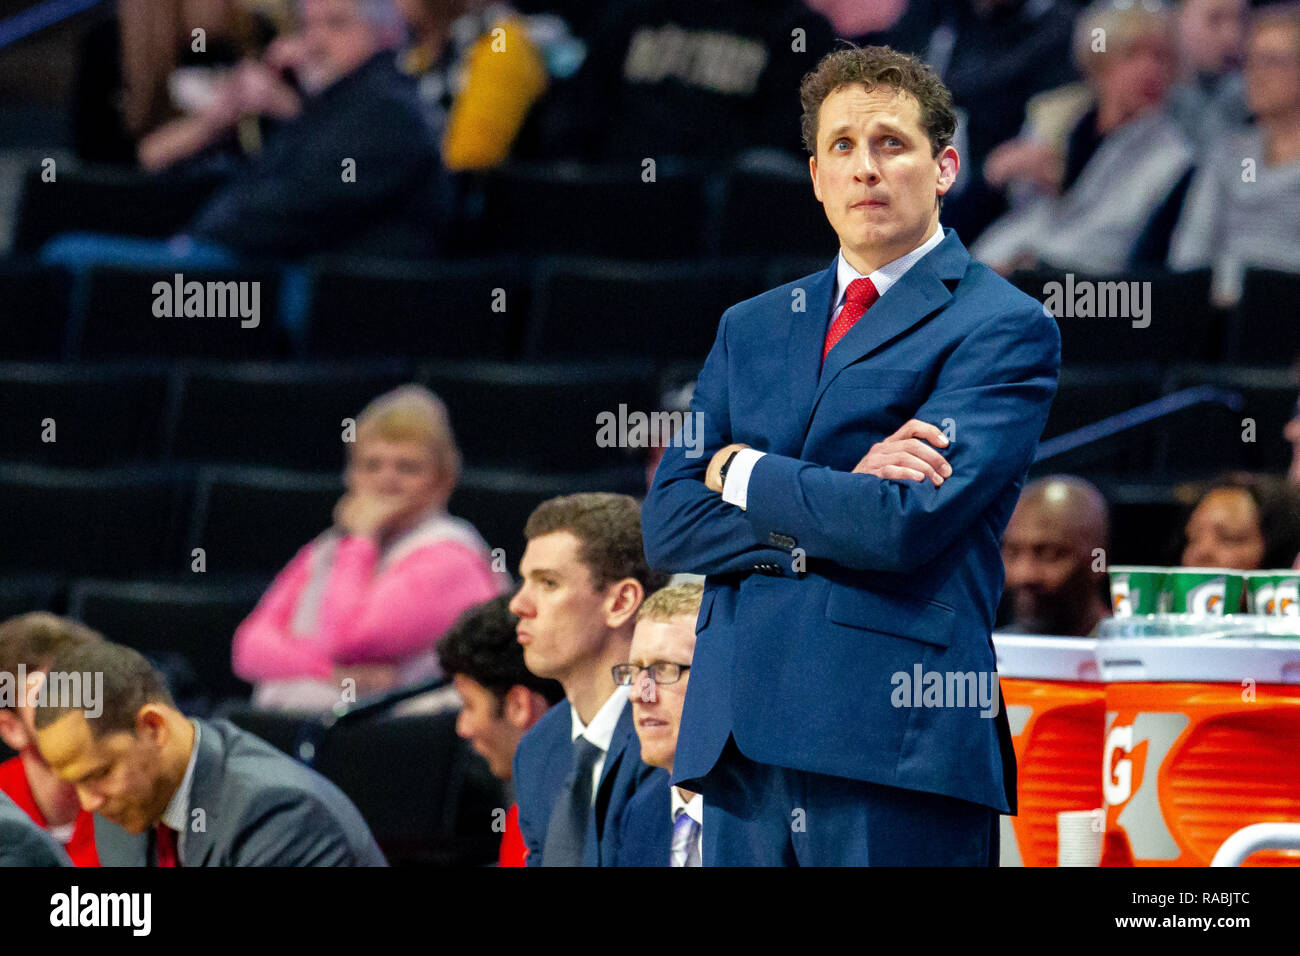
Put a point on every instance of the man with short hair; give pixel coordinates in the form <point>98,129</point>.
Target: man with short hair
<point>500,698</point>
<point>584,577</point>
<point>203,793</point>
<point>1055,583</point>
<point>26,645</point>
<point>829,571</point>
<point>661,826</point>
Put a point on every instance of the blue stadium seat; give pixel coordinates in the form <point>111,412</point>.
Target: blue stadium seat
<point>34,317</point>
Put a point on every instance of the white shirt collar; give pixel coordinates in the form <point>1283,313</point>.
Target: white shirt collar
<point>177,813</point>
<point>601,729</point>
<point>694,809</point>
<point>886,275</point>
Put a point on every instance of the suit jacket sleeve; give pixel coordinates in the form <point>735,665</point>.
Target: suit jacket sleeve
<point>993,394</point>
<point>685,526</point>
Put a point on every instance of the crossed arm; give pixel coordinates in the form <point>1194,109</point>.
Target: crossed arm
<point>898,508</point>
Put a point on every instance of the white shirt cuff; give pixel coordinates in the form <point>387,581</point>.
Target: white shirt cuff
<point>735,490</point>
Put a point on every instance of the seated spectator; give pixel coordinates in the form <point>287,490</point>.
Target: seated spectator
<point>478,73</point>
<point>1085,204</point>
<point>1244,522</point>
<point>368,600</point>
<point>1209,101</point>
<point>500,698</point>
<point>188,792</point>
<point>1243,207</point>
<point>584,577</point>
<point>662,825</point>
<point>994,55</point>
<point>1054,552</point>
<point>26,646</point>
<point>665,78</point>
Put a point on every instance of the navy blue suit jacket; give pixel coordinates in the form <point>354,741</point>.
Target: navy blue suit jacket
<point>646,829</point>
<point>829,584</point>
<point>542,764</point>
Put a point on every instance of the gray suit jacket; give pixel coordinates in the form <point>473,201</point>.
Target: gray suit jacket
<point>23,843</point>
<point>259,808</point>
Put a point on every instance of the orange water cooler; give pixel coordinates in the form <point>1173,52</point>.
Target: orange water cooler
<point>1202,738</point>
<point>1056,708</point>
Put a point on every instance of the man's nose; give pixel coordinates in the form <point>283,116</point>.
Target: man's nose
<point>463,728</point>
<point>519,605</point>
<point>867,171</point>
<point>90,801</point>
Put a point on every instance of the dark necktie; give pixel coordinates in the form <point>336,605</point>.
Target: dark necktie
<point>858,297</point>
<point>166,844</point>
<point>566,836</point>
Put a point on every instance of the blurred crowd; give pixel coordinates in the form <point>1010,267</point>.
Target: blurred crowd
<point>1095,138</point>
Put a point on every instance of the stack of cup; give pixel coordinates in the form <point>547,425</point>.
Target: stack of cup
<point>1273,593</point>
<point>1199,592</point>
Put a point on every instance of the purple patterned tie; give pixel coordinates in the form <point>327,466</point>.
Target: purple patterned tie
<point>686,843</point>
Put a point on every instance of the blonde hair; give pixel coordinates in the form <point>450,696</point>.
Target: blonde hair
<point>1121,27</point>
<point>413,413</point>
<point>670,602</point>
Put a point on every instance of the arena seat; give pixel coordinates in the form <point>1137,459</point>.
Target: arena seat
<point>22,593</point>
<point>539,416</point>
<point>1180,325</point>
<point>754,197</point>
<point>195,621</point>
<point>1249,438</point>
<point>253,520</point>
<point>498,503</point>
<point>100,522</point>
<point>34,318</point>
<point>120,321</point>
<point>445,310</point>
<point>656,310</point>
<point>578,210</point>
<point>428,798</point>
<point>273,415</point>
<point>101,414</point>
<point>1264,329</point>
<point>106,199</point>
<point>1088,393</point>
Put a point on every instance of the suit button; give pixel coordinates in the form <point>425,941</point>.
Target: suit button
<point>772,570</point>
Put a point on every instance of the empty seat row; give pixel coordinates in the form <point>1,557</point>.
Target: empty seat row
<point>224,523</point>
<point>505,415</point>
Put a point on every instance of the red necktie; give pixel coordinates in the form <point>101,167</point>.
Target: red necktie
<point>858,297</point>
<point>166,842</point>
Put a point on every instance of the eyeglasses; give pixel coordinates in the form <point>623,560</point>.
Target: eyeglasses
<point>661,672</point>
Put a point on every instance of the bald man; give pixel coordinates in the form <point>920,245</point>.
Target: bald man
<point>1054,554</point>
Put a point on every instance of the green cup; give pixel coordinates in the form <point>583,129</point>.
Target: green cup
<point>1261,586</point>
<point>1203,592</point>
<point>1286,600</point>
<point>1135,589</point>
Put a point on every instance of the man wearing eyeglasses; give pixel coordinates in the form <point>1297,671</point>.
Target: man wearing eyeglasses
<point>662,825</point>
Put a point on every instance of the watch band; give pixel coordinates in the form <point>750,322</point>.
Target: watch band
<point>722,472</point>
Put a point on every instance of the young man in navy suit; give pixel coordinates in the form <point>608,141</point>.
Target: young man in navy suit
<point>662,824</point>
<point>585,575</point>
<point>859,468</point>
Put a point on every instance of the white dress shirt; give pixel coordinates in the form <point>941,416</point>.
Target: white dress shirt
<point>735,489</point>
<point>695,810</point>
<point>177,814</point>
<point>600,731</point>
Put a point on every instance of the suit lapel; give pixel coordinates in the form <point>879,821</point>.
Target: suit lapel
<point>804,343</point>
<point>919,293</point>
<point>204,790</point>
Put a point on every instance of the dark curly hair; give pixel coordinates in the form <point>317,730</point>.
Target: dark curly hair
<point>481,645</point>
<point>873,66</point>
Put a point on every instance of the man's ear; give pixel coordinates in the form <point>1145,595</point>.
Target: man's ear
<point>12,730</point>
<point>517,707</point>
<point>622,598</point>
<point>949,166</point>
<point>812,171</point>
<point>151,724</point>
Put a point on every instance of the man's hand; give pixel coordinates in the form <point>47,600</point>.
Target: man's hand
<point>366,516</point>
<point>904,456</point>
<point>713,476</point>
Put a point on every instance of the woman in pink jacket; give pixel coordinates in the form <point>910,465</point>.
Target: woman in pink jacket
<point>360,609</point>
